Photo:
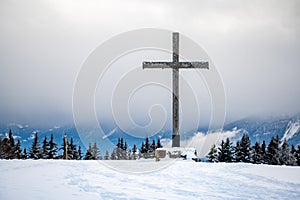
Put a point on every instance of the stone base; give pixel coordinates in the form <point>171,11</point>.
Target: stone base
<point>175,152</point>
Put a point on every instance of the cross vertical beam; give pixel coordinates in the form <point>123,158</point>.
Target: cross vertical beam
<point>175,80</point>
<point>175,65</point>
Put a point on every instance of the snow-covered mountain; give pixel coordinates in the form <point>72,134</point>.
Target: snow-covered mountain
<point>258,130</point>
<point>264,129</point>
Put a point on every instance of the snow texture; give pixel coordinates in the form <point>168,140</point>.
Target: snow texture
<point>291,130</point>
<point>58,179</point>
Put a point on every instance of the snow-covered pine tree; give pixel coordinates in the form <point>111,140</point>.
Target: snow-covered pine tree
<point>147,144</point>
<point>293,149</point>
<point>1,148</point>
<point>273,153</point>
<point>96,152</point>
<point>286,157</point>
<point>213,154</point>
<point>113,155</point>
<point>34,152</point>
<point>158,144</point>
<point>122,144</point>
<point>18,150</point>
<point>228,151</point>
<point>221,152</point>
<point>152,146</point>
<point>45,149</point>
<point>10,146</point>
<point>237,152</point>
<point>88,154</point>
<point>11,138</point>
<point>124,155</point>
<point>134,150</point>
<point>72,150</point>
<point>263,153</point>
<point>79,153</point>
<point>6,149</point>
<point>245,148</point>
<point>255,154</point>
<point>298,155</point>
<point>106,155</point>
<point>52,151</point>
<point>24,154</point>
<point>143,149</point>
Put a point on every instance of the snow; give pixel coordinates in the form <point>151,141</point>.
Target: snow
<point>110,133</point>
<point>59,179</point>
<point>204,141</point>
<point>293,127</point>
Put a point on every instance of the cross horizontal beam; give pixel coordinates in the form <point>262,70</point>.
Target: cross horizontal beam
<point>176,65</point>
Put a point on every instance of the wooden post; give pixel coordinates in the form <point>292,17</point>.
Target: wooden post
<point>65,147</point>
<point>175,135</point>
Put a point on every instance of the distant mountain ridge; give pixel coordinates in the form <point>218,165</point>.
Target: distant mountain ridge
<point>257,129</point>
<point>264,129</point>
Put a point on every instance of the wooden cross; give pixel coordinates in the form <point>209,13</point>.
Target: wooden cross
<point>175,65</point>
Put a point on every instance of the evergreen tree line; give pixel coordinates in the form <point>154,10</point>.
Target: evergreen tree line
<point>49,150</point>
<point>273,154</point>
<point>147,150</point>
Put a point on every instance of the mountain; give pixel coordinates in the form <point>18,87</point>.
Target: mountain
<point>257,129</point>
<point>264,129</point>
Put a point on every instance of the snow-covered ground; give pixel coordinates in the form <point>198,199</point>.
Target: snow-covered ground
<point>58,179</point>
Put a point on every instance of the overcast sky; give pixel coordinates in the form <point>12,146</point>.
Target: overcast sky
<point>254,44</point>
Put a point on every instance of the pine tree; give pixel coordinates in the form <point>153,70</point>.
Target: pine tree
<point>134,150</point>
<point>18,150</point>
<point>298,155</point>
<point>11,138</point>
<point>237,152</point>
<point>255,152</point>
<point>89,155</point>
<point>221,152</point>
<point>286,157</point>
<point>79,153</point>
<point>95,152</point>
<point>273,153</point>
<point>5,148</point>
<point>152,146</point>
<point>72,150</point>
<point>45,149</point>
<point>228,151</point>
<point>119,143</point>
<point>1,148</point>
<point>147,144</point>
<point>158,144</point>
<point>106,156</point>
<point>213,154</point>
<point>24,154</point>
<point>113,155</point>
<point>263,153</point>
<point>124,155</point>
<point>125,146</point>
<point>35,148</point>
<point>9,146</point>
<point>245,147</point>
<point>143,149</point>
<point>52,151</point>
<point>293,150</point>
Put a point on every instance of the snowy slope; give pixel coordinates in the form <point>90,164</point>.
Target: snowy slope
<point>292,129</point>
<point>264,129</point>
<point>48,179</point>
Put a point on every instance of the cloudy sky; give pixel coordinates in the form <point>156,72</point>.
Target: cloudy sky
<point>254,44</point>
